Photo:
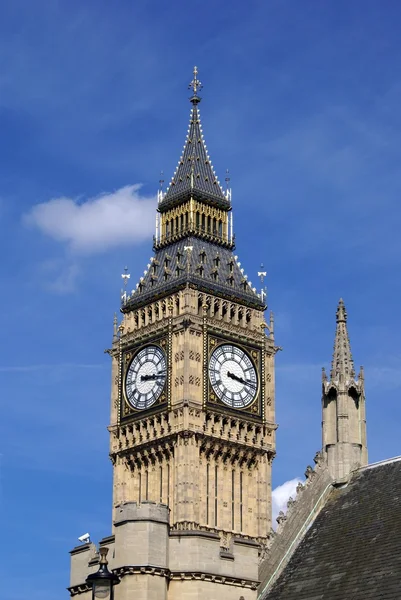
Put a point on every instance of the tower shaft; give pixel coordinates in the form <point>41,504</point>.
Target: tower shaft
<point>343,407</point>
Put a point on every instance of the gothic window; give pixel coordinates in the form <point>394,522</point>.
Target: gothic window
<point>233,499</point>
<point>215,496</point>
<point>224,309</point>
<point>230,279</point>
<point>203,223</point>
<point>207,493</point>
<point>216,261</point>
<point>202,256</point>
<point>216,306</point>
<point>197,220</point>
<point>240,500</point>
<point>215,274</point>
<point>220,228</point>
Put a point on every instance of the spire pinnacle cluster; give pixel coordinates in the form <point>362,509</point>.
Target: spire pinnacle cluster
<point>194,174</point>
<point>196,86</point>
<point>342,364</point>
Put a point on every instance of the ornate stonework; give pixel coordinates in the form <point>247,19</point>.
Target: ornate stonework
<point>190,454</point>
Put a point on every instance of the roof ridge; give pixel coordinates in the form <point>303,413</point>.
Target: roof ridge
<point>380,462</point>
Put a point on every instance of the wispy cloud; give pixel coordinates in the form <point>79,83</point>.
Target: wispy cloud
<point>97,224</point>
<point>281,494</point>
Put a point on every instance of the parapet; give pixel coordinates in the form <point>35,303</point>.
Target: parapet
<point>146,511</point>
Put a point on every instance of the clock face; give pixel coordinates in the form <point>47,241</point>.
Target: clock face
<point>146,377</point>
<point>233,376</point>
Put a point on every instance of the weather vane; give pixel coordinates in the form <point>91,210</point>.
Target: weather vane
<point>195,83</point>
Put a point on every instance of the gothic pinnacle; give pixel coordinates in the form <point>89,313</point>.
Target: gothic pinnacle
<point>342,366</point>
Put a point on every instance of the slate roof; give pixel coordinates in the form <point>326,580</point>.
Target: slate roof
<point>352,551</point>
<point>194,173</point>
<point>170,270</point>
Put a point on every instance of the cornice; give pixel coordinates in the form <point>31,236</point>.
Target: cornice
<point>127,570</point>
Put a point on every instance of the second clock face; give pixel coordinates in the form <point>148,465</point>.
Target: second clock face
<point>146,377</point>
<point>233,376</point>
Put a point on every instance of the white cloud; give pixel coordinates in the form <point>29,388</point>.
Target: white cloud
<point>108,220</point>
<point>280,496</point>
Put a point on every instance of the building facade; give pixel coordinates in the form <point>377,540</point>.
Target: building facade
<point>192,426</point>
<point>192,423</point>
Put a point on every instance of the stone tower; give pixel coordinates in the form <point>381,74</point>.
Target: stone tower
<point>343,407</point>
<point>192,431</point>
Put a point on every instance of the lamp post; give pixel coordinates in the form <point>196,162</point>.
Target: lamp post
<point>103,581</point>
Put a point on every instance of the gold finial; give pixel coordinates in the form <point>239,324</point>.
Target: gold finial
<point>196,86</point>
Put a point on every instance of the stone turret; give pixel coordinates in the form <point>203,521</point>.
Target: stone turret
<point>343,407</point>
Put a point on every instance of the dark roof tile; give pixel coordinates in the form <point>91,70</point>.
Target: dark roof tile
<point>353,549</point>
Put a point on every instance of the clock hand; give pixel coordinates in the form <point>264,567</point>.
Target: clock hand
<point>241,380</point>
<point>150,377</point>
<point>235,377</point>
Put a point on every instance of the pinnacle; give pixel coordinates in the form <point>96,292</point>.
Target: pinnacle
<point>341,314</point>
<point>342,366</point>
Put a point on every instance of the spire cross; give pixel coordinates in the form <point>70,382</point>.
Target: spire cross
<point>195,84</point>
<point>125,276</point>
<point>262,274</point>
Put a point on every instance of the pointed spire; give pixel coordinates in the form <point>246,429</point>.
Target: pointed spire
<point>342,366</point>
<point>115,328</point>
<point>194,175</point>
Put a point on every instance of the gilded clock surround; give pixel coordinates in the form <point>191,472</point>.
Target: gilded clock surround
<point>127,409</point>
<point>255,408</point>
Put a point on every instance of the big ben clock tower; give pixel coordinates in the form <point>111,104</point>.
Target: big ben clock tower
<point>192,432</point>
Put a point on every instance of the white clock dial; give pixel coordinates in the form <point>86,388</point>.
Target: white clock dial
<point>233,376</point>
<point>146,377</point>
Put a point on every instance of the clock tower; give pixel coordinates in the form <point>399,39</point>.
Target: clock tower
<point>192,431</point>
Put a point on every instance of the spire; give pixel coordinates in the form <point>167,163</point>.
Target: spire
<point>194,175</point>
<point>343,407</point>
<point>342,366</point>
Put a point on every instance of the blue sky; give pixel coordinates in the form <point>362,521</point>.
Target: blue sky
<point>301,102</point>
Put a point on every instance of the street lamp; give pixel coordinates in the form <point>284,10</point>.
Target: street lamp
<point>102,582</point>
